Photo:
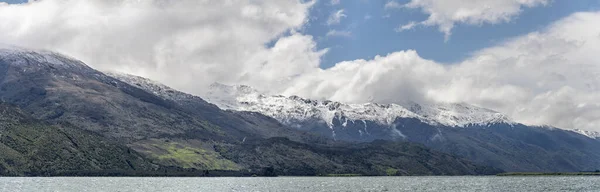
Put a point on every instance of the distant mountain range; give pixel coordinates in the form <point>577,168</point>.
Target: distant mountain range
<point>61,117</point>
<point>126,124</point>
<point>481,135</point>
<point>292,110</point>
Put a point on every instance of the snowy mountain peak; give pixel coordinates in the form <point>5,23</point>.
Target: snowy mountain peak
<point>22,57</point>
<point>292,109</point>
<point>152,86</point>
<point>590,134</point>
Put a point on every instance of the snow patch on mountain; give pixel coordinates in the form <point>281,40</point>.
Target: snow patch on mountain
<point>289,110</point>
<point>590,134</point>
<point>152,86</point>
<point>22,57</point>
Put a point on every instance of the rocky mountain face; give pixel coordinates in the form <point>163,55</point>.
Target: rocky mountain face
<point>481,135</point>
<point>98,122</point>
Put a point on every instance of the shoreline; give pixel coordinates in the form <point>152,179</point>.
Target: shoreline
<point>549,174</point>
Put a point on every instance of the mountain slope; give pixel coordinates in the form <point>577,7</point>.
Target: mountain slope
<point>480,135</point>
<point>302,154</point>
<point>255,124</point>
<point>56,88</point>
<point>166,126</point>
<point>376,158</point>
<point>31,147</point>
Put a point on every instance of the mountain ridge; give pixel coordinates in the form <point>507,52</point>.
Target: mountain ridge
<point>245,98</point>
<point>172,128</point>
<point>506,145</point>
<point>286,109</point>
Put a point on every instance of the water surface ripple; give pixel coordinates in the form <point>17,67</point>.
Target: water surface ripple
<point>351,184</point>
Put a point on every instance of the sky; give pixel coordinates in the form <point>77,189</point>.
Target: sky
<point>368,29</point>
<point>534,60</point>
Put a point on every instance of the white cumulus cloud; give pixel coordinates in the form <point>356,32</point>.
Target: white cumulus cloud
<point>447,13</point>
<point>188,44</point>
<point>549,77</point>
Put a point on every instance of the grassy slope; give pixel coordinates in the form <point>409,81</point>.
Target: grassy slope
<point>184,153</point>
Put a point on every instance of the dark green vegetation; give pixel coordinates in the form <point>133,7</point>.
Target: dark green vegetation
<point>376,158</point>
<point>520,148</point>
<point>29,147</point>
<point>514,148</point>
<point>63,118</point>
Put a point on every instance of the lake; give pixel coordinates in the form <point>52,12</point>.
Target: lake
<point>478,184</point>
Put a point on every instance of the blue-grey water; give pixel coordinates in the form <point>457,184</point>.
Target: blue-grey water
<point>478,184</point>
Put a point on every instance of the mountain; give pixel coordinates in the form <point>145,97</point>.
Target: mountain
<point>480,135</point>
<point>293,108</point>
<point>136,119</point>
<point>296,111</point>
<point>251,123</point>
<point>300,153</point>
<point>57,88</point>
<point>31,147</point>
<point>590,134</point>
<point>375,158</point>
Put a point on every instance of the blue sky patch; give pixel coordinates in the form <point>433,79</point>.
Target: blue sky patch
<point>369,30</point>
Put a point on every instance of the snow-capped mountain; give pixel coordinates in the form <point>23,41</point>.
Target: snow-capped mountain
<point>34,59</point>
<point>293,109</point>
<point>590,134</point>
<point>486,137</point>
<point>60,89</point>
<point>152,86</point>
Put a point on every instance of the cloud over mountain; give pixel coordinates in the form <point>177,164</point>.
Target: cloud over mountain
<point>547,77</point>
<point>187,44</point>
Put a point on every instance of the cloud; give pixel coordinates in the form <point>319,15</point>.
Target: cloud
<point>392,4</point>
<point>447,13</point>
<point>336,17</point>
<point>334,2</point>
<point>408,26</point>
<point>334,33</point>
<point>187,44</point>
<point>547,77</point>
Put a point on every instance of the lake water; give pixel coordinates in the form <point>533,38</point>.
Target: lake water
<point>478,184</point>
